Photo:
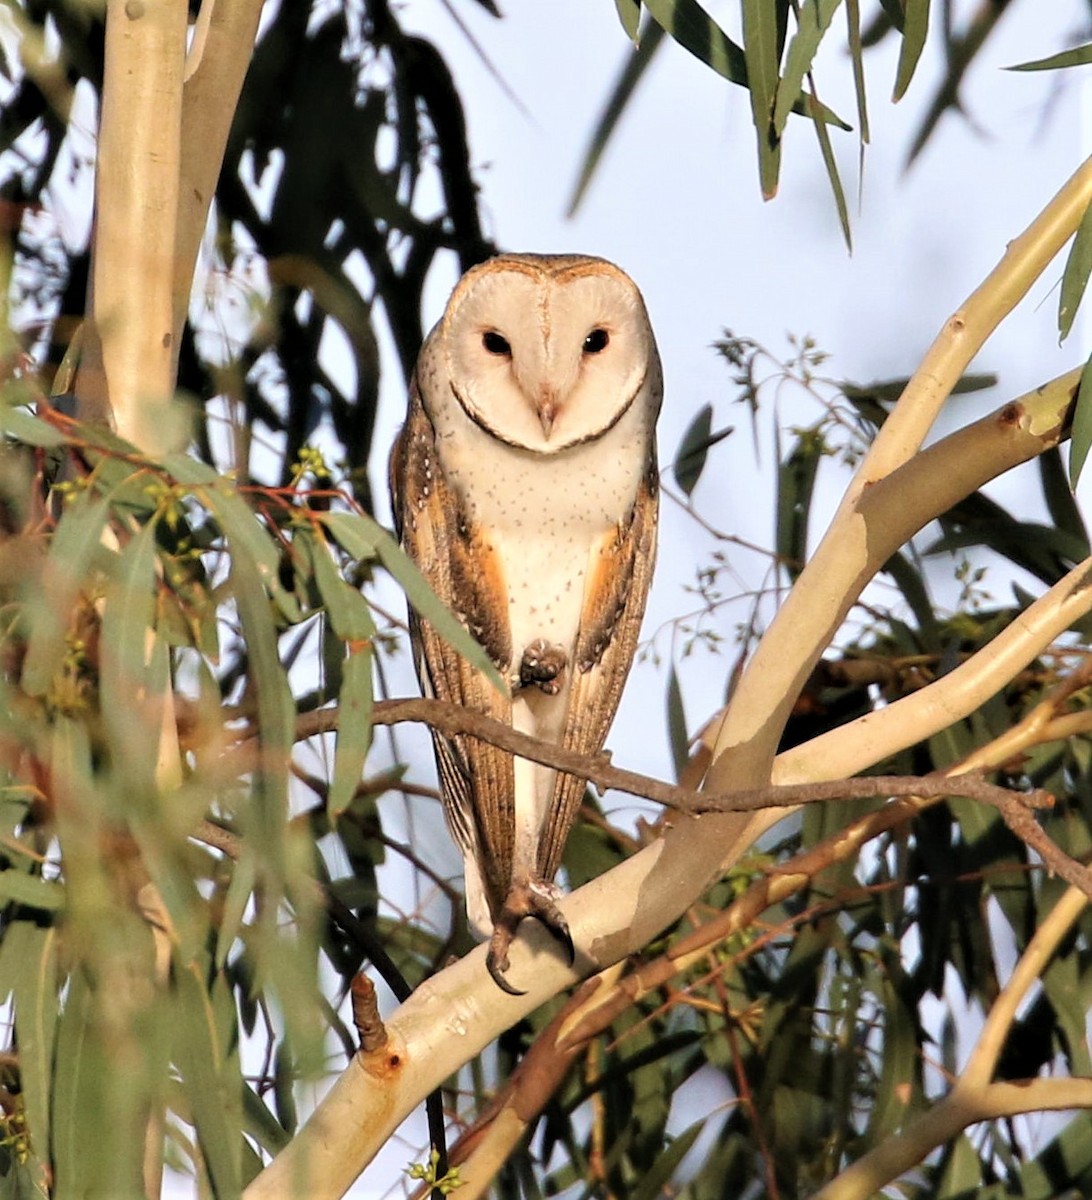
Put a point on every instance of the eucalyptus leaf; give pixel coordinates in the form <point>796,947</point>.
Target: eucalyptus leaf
<point>75,543</point>
<point>210,1075</point>
<point>761,54</point>
<point>1078,267</point>
<point>915,29</point>
<point>812,24</point>
<point>37,1005</point>
<point>1081,433</point>
<point>629,13</point>
<point>360,535</point>
<point>21,426</point>
<point>1077,56</point>
<point>354,733</point>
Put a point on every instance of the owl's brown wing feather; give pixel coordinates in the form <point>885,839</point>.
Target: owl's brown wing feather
<point>476,779</point>
<point>614,603</point>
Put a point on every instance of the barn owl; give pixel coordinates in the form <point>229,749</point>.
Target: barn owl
<point>525,488</point>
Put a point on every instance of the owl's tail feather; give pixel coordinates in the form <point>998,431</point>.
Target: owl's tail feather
<point>530,899</point>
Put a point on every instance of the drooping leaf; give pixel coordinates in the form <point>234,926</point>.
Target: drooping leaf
<point>1065,515</point>
<point>210,1073</point>
<point>75,543</point>
<point>914,32</point>
<point>1078,267</point>
<point>74,1086</point>
<point>695,30</point>
<point>812,24</point>
<point>856,54</point>
<point>795,485</point>
<point>1081,434</point>
<point>762,56</point>
<point>629,13</point>
<point>633,71</point>
<point>676,723</point>
<point>37,1003</point>
<point>129,714</point>
<point>346,607</point>
<point>246,533</point>
<point>831,166</point>
<point>276,711</point>
<point>354,727</point>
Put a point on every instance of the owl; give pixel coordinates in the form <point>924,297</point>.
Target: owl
<point>525,488</point>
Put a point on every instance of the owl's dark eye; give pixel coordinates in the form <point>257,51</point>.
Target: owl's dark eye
<point>495,344</point>
<point>595,341</point>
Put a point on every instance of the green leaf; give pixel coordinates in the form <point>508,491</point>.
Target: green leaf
<point>354,734</point>
<point>633,71</point>
<point>831,165</point>
<point>362,537</point>
<point>812,24</point>
<point>261,1123</point>
<point>240,889</point>
<point>760,51</point>
<point>355,533</point>
<point>210,1072</point>
<point>856,54</point>
<point>33,891</point>
<point>629,13</point>
<point>1081,433</point>
<point>1077,56</point>
<point>21,426</point>
<point>795,485</point>
<point>74,1088</point>
<point>349,614</point>
<point>1078,266</point>
<point>962,1170</point>
<point>276,708</point>
<point>190,471</point>
<point>130,718</point>
<point>914,31</point>
<point>1065,514</point>
<point>246,532</point>
<point>75,543</point>
<point>36,1012</point>
<point>690,457</point>
<point>695,30</point>
<point>676,723</point>
<point>1062,982</point>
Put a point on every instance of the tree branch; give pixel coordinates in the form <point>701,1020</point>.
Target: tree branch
<point>458,1012</point>
<point>974,1098</point>
<point>595,1006</point>
<point>126,369</point>
<point>849,554</point>
<point>216,66</point>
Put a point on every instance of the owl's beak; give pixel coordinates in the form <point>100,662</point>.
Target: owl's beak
<point>548,408</point>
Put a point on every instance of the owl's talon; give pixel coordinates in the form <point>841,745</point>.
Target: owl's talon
<point>542,666</point>
<point>533,899</point>
<point>496,960</point>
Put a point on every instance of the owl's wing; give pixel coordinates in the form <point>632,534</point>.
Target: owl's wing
<point>476,780</point>
<point>615,591</point>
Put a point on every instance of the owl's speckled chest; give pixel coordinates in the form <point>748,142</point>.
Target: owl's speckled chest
<point>545,515</point>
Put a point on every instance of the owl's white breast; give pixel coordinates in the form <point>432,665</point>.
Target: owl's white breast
<point>545,513</point>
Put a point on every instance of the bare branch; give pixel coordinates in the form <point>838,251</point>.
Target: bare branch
<point>598,769</point>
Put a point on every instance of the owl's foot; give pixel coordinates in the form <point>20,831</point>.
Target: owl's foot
<point>533,899</point>
<point>542,665</point>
